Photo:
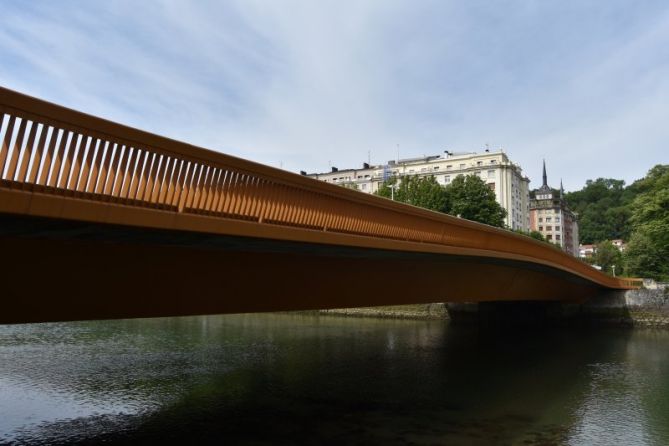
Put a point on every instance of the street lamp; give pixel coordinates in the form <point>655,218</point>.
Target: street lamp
<point>614,270</point>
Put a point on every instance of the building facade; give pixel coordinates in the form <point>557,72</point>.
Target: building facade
<point>504,177</point>
<point>550,216</point>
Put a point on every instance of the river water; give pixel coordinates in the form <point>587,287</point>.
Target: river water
<point>309,379</point>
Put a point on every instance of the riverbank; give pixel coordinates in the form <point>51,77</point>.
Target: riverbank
<point>643,308</point>
<point>433,311</point>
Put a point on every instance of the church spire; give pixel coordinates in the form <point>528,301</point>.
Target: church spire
<point>561,189</point>
<point>545,176</point>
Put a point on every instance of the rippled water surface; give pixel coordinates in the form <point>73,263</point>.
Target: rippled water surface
<point>302,379</point>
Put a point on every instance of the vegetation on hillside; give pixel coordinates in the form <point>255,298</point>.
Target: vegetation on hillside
<point>638,214</point>
<point>607,209</point>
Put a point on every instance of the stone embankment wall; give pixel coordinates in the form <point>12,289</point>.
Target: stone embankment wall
<point>418,311</point>
<point>647,307</point>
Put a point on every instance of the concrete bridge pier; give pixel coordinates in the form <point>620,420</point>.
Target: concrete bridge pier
<point>643,307</point>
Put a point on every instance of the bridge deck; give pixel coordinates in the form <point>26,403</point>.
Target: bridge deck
<point>59,164</point>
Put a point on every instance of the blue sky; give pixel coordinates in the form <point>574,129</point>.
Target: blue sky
<point>309,84</point>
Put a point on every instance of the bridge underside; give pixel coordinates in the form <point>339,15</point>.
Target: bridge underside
<point>63,270</point>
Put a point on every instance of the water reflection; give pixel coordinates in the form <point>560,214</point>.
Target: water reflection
<point>267,379</point>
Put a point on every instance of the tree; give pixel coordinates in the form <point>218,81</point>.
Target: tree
<point>472,199</point>
<point>608,257</point>
<point>423,192</point>
<point>648,249</point>
<point>537,236</point>
<point>603,209</point>
<point>644,258</point>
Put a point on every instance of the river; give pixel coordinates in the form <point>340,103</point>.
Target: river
<point>310,379</point>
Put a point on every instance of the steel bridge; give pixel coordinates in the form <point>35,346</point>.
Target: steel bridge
<point>99,220</point>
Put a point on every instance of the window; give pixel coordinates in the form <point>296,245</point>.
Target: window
<point>479,163</point>
<point>557,228</point>
<point>548,219</point>
<point>549,228</point>
<point>541,228</point>
<point>557,237</point>
<point>491,186</point>
<point>436,167</point>
<point>541,220</point>
<point>549,237</point>
<point>449,167</point>
<point>447,179</point>
<point>557,219</point>
<point>493,161</point>
<point>364,187</point>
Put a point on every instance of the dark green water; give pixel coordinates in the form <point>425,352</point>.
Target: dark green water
<point>299,379</point>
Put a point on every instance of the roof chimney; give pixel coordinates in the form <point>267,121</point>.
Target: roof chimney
<point>334,169</point>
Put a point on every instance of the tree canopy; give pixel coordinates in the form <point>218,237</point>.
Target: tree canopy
<point>638,213</point>
<point>609,258</point>
<point>467,197</point>
<point>603,209</point>
<point>423,192</point>
<point>647,253</point>
<point>471,198</point>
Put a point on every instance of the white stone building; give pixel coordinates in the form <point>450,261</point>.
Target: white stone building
<point>504,177</point>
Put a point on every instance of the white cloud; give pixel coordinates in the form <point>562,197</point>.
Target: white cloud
<point>304,83</point>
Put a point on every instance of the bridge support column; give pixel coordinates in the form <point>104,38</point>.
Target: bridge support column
<point>644,307</point>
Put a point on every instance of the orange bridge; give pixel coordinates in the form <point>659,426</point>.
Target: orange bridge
<point>99,220</point>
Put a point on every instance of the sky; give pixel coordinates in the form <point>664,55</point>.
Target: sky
<point>305,85</point>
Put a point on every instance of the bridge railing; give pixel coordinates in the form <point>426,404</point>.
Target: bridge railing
<point>54,150</point>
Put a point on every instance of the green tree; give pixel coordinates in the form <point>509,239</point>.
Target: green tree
<point>423,192</point>
<point>603,209</point>
<point>537,236</point>
<point>647,253</point>
<point>608,257</point>
<point>469,197</point>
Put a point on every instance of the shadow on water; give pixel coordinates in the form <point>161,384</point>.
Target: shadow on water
<point>296,379</point>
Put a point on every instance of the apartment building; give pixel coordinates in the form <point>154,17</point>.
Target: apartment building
<point>550,215</point>
<point>504,177</point>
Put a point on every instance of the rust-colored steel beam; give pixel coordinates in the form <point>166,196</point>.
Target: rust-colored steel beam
<point>98,171</point>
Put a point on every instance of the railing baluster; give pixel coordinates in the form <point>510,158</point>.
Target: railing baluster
<point>82,186</point>
<point>37,160</point>
<point>201,191</point>
<point>48,158</point>
<point>129,174</point>
<point>16,150</point>
<point>192,187</point>
<point>165,178</point>
<point>112,174</point>
<point>27,154</point>
<point>182,189</point>
<point>61,137</point>
<point>4,149</point>
<point>172,193</point>
<point>140,180</point>
<point>78,162</point>
<point>122,167</point>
